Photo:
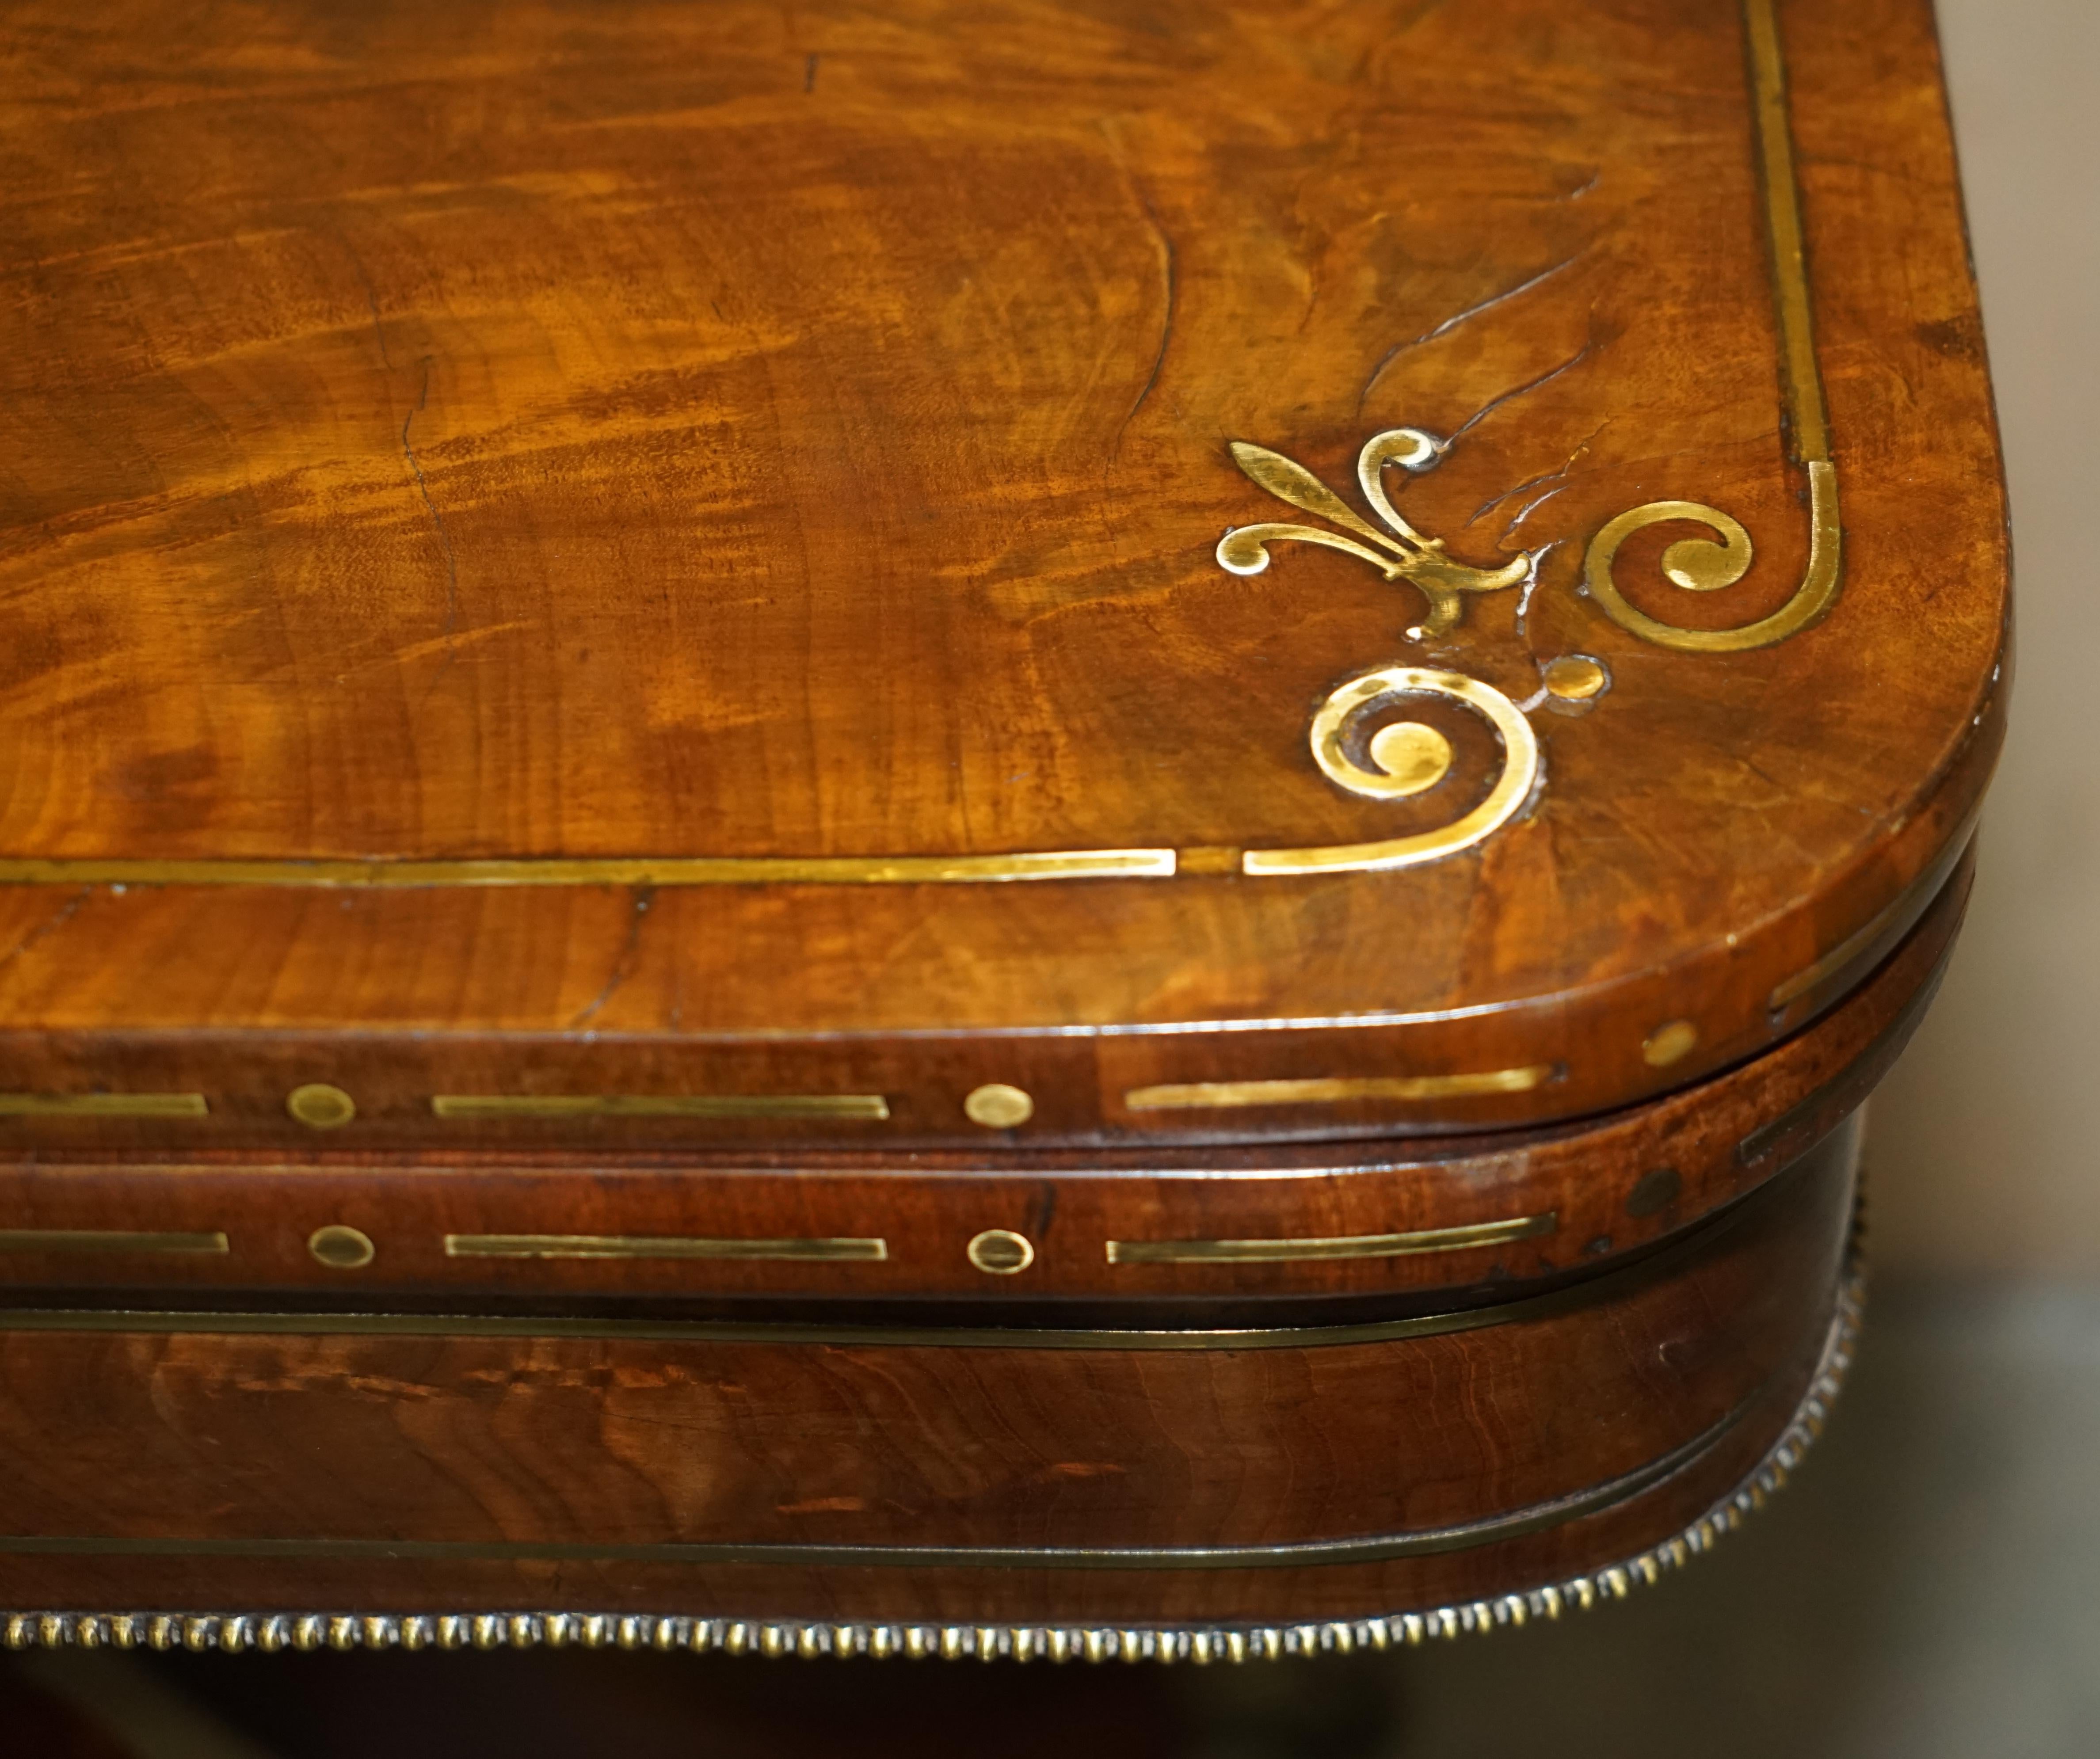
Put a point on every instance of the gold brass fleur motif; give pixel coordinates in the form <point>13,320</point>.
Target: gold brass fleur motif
<point>1402,553</point>
<point>1406,757</point>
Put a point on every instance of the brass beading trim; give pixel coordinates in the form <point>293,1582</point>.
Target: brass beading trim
<point>271,1633</point>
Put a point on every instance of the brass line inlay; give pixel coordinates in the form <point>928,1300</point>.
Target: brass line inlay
<point>108,1240</point>
<point>1398,551</point>
<point>664,871</point>
<point>1888,924</point>
<point>663,1246</point>
<point>871,1108</point>
<point>1614,1285</point>
<point>103,1105</point>
<point>1704,565</point>
<point>1337,1246</point>
<point>1334,1091</point>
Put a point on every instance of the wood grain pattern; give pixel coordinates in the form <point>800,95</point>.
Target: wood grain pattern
<point>559,1454</point>
<point>490,430</point>
<point>1606,1189</point>
<point>507,433</point>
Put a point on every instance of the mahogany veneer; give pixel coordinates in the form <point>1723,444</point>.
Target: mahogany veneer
<point>1035,828</point>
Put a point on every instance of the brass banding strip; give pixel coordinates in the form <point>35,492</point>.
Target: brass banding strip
<point>1336,1246</point>
<point>1335,1089</point>
<point>867,1107</point>
<point>658,871</point>
<point>103,1105</point>
<point>661,1246</point>
<point>106,1240</point>
<point>1701,565</point>
<point>1614,1285</point>
<point>1810,431</point>
<point>1532,1518</point>
<point>1886,927</point>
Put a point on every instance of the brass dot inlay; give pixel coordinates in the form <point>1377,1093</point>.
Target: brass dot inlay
<point>1000,1252</point>
<point>1576,677</point>
<point>1414,756</point>
<point>341,1248</point>
<point>997,1106</point>
<point>320,1106</point>
<point>1668,1042</point>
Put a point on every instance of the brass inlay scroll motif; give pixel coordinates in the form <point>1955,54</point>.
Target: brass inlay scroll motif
<point>1307,1250</point>
<point>1708,565</point>
<point>1406,757</point>
<point>1402,553</point>
<point>1412,765</point>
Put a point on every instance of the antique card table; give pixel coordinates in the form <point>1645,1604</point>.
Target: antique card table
<point>1041,828</point>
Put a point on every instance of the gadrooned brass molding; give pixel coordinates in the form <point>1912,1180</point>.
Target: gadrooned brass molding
<point>271,1633</point>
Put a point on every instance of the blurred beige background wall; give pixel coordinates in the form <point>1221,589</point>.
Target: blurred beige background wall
<point>1986,1139</point>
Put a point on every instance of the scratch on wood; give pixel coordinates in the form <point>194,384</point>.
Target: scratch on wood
<point>623,966</point>
<point>1524,390</point>
<point>437,518</point>
<point>1168,274</point>
<point>1455,320</point>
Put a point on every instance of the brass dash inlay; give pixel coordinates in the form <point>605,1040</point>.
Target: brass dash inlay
<point>1337,1246</point>
<point>866,1107</point>
<point>659,872</point>
<point>1334,1091</point>
<point>103,1105</point>
<point>106,1240</point>
<point>863,1251</point>
<point>1887,925</point>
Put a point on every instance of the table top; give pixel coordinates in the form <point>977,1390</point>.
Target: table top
<point>1457,552</point>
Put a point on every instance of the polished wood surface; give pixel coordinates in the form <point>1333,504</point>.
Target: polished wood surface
<point>478,431</point>
<point>643,629</point>
<point>315,1468</point>
<point>1593,1192</point>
